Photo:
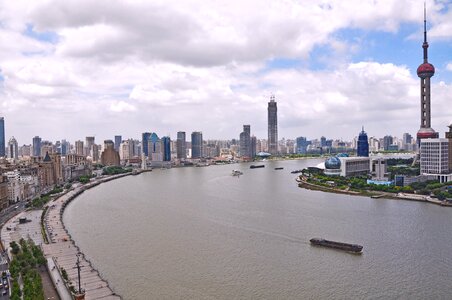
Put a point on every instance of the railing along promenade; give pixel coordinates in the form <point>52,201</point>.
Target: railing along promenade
<point>63,251</point>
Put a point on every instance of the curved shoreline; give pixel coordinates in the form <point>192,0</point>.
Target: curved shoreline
<point>62,251</point>
<point>372,194</point>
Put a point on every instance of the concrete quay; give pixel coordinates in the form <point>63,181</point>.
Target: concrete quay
<point>62,251</point>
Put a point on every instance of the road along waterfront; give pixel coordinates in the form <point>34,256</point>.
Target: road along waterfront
<point>200,233</point>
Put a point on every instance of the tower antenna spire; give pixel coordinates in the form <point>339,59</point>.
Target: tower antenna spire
<point>425,44</point>
<point>425,24</point>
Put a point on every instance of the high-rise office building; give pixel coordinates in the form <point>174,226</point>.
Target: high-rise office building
<point>13,148</point>
<point>323,141</point>
<point>434,154</point>
<point>302,145</point>
<point>79,149</point>
<point>181,145</point>
<point>425,71</point>
<point>145,143</point>
<point>118,141</point>
<point>36,146</point>
<point>196,144</point>
<point>155,148</point>
<point>407,142</point>
<point>89,145</point>
<point>363,144</point>
<point>272,126</point>
<point>253,146</point>
<point>110,157</point>
<point>65,147</point>
<point>2,137</point>
<point>166,144</point>
<point>387,141</point>
<point>449,138</point>
<point>245,142</point>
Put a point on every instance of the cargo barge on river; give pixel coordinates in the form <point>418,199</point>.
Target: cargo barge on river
<point>352,248</point>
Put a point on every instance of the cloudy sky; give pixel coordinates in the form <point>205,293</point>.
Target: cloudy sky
<point>74,68</point>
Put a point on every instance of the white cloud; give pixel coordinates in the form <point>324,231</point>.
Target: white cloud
<point>121,106</point>
<point>124,67</point>
<point>449,67</point>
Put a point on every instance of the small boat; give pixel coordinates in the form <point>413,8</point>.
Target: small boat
<point>352,248</point>
<point>296,171</point>
<point>279,168</point>
<point>257,166</point>
<point>236,173</point>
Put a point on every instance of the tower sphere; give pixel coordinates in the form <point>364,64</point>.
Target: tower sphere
<point>425,70</point>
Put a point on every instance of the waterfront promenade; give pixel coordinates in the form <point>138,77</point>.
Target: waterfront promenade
<point>62,251</point>
<point>13,230</point>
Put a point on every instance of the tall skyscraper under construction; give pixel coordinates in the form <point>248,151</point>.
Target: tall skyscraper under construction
<point>272,126</point>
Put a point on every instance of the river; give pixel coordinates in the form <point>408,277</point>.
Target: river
<point>200,233</point>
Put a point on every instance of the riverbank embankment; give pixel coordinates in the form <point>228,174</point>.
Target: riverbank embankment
<point>62,251</point>
<point>302,183</point>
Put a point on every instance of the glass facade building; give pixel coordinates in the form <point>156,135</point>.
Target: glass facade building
<point>145,142</point>
<point>36,146</point>
<point>302,145</point>
<point>181,145</point>
<point>363,144</point>
<point>166,143</point>
<point>196,144</point>
<point>118,141</point>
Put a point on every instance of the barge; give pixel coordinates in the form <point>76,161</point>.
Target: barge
<point>352,248</point>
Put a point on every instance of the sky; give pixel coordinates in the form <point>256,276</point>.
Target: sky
<point>76,68</point>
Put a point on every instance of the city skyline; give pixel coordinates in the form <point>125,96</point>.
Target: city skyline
<point>69,71</point>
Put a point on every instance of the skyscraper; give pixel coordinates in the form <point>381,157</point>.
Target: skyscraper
<point>449,138</point>
<point>272,126</point>
<point>407,142</point>
<point>13,148</point>
<point>196,144</point>
<point>181,145</point>
<point>118,141</point>
<point>253,146</point>
<point>425,71</point>
<point>245,142</point>
<point>89,145</point>
<point>2,137</point>
<point>302,145</point>
<point>387,141</point>
<point>144,142</point>
<point>36,146</point>
<point>79,150</point>
<point>166,143</point>
<point>363,144</point>
<point>65,146</point>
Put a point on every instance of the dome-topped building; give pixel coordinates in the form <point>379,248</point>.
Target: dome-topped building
<point>333,166</point>
<point>333,163</point>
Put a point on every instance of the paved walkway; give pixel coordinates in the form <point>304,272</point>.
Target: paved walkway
<point>30,229</point>
<point>64,252</point>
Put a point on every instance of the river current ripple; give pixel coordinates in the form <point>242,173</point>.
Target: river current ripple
<point>200,233</point>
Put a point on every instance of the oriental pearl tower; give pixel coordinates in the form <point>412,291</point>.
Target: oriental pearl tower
<point>425,71</point>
